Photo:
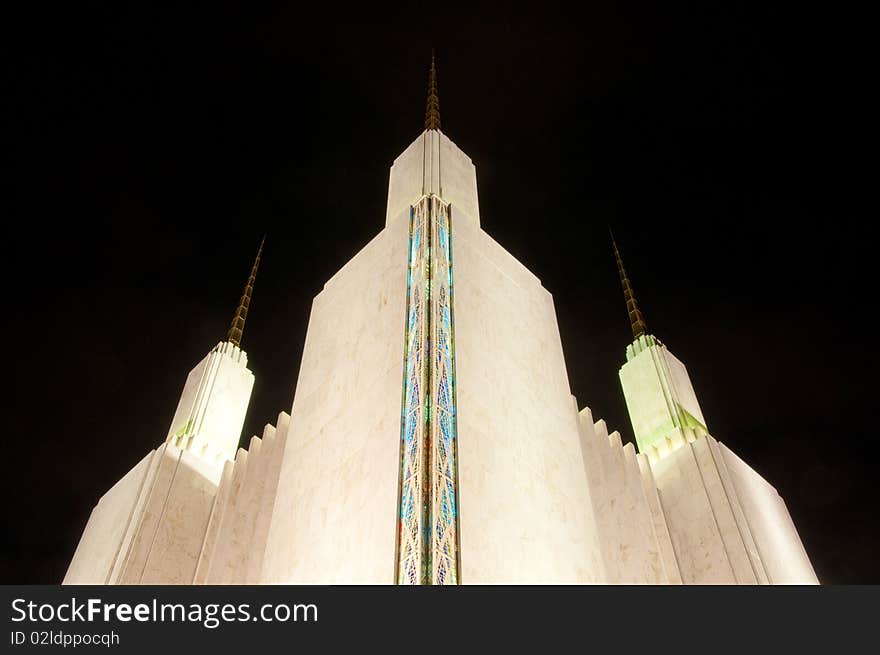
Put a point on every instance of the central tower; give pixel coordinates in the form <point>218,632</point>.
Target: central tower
<point>433,436</point>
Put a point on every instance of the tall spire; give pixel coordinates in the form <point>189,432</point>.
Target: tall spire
<point>235,330</point>
<point>432,108</point>
<point>636,319</point>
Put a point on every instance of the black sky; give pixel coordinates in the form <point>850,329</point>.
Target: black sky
<point>148,151</point>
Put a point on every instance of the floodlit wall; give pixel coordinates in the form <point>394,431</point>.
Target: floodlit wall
<point>433,164</point>
<point>659,395</point>
<point>728,526</point>
<point>235,540</point>
<point>701,522</point>
<point>525,509</point>
<point>210,415</point>
<point>335,515</point>
<point>767,519</point>
<point>175,545</point>
<point>635,542</point>
<point>153,522</point>
<point>102,538</point>
<point>545,494</point>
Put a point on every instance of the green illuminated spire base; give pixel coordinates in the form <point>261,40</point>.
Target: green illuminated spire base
<point>663,407</point>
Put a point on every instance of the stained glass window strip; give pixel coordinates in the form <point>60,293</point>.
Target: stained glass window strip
<point>428,521</point>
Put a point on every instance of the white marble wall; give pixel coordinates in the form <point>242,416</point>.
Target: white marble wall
<point>335,515</point>
<point>153,522</point>
<point>525,509</point>
<point>212,407</point>
<point>766,519</point>
<point>175,519</point>
<point>175,545</point>
<point>235,540</point>
<point>636,546</point>
<point>696,535</point>
<point>433,164</point>
<point>728,526</point>
<point>545,494</point>
<point>710,519</point>
<point>102,539</point>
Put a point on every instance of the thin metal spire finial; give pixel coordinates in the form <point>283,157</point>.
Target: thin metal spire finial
<point>432,108</point>
<point>235,330</point>
<point>636,318</point>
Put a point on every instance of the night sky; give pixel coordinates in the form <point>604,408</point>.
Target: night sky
<point>148,151</point>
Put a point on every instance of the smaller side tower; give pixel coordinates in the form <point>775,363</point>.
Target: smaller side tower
<point>150,527</point>
<point>211,412</point>
<point>660,398</point>
<point>726,524</point>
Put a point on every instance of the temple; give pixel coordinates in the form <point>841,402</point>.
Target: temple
<point>433,438</point>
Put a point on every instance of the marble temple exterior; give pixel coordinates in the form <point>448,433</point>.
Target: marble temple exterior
<point>433,439</point>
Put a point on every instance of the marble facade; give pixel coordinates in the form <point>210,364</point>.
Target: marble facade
<point>545,494</point>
